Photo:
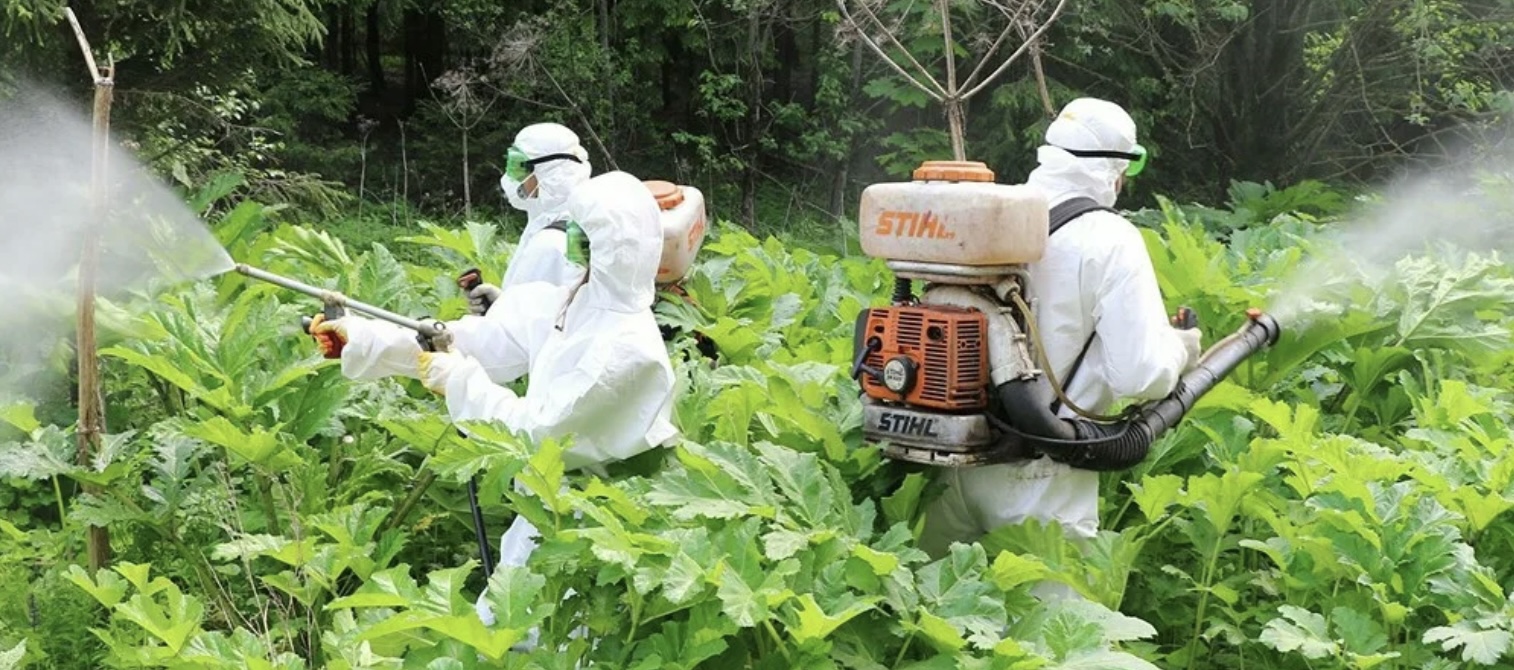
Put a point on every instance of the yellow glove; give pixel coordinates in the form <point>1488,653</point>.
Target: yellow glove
<point>330,336</point>
<point>436,369</point>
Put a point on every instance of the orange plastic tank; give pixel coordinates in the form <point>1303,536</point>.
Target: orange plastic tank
<point>683,227</point>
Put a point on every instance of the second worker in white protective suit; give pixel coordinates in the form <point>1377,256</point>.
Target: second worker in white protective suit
<point>1094,287</point>
<point>601,373</point>
<point>543,166</point>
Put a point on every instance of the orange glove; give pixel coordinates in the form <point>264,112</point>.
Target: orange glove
<point>330,336</point>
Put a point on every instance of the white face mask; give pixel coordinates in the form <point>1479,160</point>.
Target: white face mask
<point>515,192</point>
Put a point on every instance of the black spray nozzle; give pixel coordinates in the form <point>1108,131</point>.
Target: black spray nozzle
<point>1270,327</point>
<point>1116,446</point>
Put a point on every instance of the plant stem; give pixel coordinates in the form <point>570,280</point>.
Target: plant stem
<point>467,187</point>
<point>265,491</point>
<point>58,495</point>
<point>782,648</point>
<point>635,615</point>
<point>1356,404</point>
<point>417,489</point>
<point>200,565</point>
<point>1198,619</point>
<point>903,648</point>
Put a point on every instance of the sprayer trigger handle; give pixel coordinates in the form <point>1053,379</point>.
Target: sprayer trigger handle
<point>439,344</point>
<point>331,311</point>
<point>1185,319</point>
<point>469,279</point>
<point>439,341</point>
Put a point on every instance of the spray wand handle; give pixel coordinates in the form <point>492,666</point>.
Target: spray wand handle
<point>1185,319</point>
<point>469,280</point>
<point>331,311</point>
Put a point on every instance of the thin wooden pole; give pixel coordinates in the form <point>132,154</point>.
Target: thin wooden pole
<point>91,398</point>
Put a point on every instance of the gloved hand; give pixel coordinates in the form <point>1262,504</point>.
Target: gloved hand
<point>479,296</point>
<point>436,368</point>
<point>1187,325</point>
<point>1192,345</point>
<point>330,336</point>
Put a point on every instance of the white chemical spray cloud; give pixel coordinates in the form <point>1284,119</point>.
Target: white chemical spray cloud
<point>148,237</point>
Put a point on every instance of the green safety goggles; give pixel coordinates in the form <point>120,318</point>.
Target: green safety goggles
<point>518,167</point>
<point>1137,157</point>
<point>577,249</point>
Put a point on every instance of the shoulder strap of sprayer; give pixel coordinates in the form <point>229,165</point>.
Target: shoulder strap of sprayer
<point>1071,209</point>
<point>560,225</point>
<point>1060,216</point>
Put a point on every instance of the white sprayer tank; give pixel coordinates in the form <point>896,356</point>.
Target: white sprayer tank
<point>953,214</point>
<point>683,227</point>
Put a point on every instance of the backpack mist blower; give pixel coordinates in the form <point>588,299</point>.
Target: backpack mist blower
<point>952,376</point>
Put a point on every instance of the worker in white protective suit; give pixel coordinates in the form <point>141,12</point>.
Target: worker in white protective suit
<point>601,373</point>
<point>1093,289</point>
<point>542,168</point>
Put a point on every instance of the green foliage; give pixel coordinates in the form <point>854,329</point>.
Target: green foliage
<point>1339,501</point>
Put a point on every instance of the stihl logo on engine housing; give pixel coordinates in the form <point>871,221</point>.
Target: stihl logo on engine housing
<point>913,224</point>
<point>902,424</point>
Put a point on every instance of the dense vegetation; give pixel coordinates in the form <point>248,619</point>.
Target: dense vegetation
<point>1339,502</point>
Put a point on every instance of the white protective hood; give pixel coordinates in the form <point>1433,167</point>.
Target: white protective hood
<point>1085,124</point>
<point>539,252</point>
<point>602,373</point>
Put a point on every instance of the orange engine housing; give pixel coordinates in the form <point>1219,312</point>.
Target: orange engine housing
<point>927,356</point>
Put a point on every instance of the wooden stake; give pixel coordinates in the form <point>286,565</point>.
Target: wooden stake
<point>91,424</point>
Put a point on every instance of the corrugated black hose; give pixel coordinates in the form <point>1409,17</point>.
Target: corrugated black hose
<point>1123,444</point>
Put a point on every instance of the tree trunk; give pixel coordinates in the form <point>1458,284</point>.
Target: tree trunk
<point>1265,62</point>
<point>843,170</point>
<point>672,55</point>
<point>812,82</point>
<point>375,53</point>
<point>331,56</point>
<point>91,401</point>
<point>425,51</point>
<point>348,30</point>
<point>788,56</point>
<point>754,116</point>
<point>605,30</point>
<point>411,44</point>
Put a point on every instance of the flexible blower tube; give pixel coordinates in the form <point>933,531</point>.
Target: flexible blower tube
<point>1089,445</point>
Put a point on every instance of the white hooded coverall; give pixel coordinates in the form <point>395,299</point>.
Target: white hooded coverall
<point>600,372</point>
<point>377,349</point>
<point>1094,279</point>
<point>539,252</point>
